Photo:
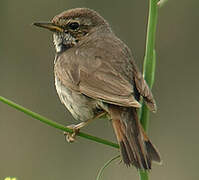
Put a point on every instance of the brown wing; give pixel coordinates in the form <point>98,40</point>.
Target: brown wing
<point>144,90</point>
<point>103,69</point>
<point>108,85</point>
<point>91,72</point>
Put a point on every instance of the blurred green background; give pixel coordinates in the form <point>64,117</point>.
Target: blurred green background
<point>31,150</point>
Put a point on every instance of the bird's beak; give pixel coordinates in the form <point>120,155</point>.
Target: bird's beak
<point>49,25</point>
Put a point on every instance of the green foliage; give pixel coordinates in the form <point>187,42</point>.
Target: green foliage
<point>10,178</point>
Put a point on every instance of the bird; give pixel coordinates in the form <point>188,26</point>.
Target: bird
<point>95,76</point>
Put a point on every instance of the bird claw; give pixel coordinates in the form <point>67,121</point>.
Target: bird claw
<point>70,137</point>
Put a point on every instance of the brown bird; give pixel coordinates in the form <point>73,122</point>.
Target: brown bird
<point>95,74</point>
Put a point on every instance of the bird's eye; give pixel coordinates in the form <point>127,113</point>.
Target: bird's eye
<point>73,25</point>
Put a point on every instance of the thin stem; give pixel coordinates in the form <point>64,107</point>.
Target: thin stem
<point>143,175</point>
<point>105,166</point>
<point>149,66</point>
<point>55,124</point>
<point>150,55</point>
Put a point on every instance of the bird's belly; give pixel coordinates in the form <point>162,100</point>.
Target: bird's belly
<point>80,106</point>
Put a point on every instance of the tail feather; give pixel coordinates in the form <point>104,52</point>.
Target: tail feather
<point>135,146</point>
<point>125,147</point>
<point>151,149</point>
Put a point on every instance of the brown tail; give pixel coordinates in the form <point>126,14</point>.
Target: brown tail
<point>135,146</point>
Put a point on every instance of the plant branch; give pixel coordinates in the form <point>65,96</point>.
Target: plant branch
<point>149,66</point>
<point>150,56</point>
<point>55,124</point>
<point>99,175</point>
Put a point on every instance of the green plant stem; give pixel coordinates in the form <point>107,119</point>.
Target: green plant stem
<point>54,124</point>
<point>143,175</point>
<point>149,66</point>
<point>150,56</point>
<point>99,175</point>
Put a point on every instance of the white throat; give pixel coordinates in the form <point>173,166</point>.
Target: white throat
<point>63,41</point>
<point>57,43</point>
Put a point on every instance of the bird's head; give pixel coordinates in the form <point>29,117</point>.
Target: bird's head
<point>72,26</point>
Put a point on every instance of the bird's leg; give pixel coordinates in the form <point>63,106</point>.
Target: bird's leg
<point>70,137</point>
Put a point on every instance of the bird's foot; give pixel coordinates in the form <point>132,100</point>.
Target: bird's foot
<point>70,137</point>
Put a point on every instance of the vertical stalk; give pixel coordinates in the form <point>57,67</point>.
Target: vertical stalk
<point>149,66</point>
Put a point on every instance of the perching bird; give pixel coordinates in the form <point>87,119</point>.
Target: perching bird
<point>95,74</point>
